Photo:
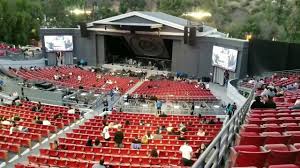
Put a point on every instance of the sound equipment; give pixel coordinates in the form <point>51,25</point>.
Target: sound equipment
<point>192,36</point>
<point>206,79</point>
<point>200,29</point>
<point>186,35</point>
<point>83,30</point>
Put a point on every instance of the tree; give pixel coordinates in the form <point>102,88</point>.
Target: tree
<point>131,5</point>
<point>175,7</point>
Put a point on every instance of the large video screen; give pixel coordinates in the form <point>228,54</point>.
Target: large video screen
<point>224,58</point>
<point>58,43</point>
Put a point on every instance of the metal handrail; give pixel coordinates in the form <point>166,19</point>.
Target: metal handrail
<point>215,152</point>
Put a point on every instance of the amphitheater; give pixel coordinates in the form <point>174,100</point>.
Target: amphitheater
<point>125,97</point>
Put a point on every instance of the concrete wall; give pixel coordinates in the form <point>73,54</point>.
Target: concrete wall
<point>26,63</point>
<point>196,60</point>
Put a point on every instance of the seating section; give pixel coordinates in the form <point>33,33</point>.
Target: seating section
<point>73,151</point>
<point>36,132</point>
<point>69,78</point>
<point>6,47</point>
<point>270,137</point>
<point>174,90</point>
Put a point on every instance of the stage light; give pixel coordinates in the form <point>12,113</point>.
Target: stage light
<point>80,12</point>
<point>199,15</point>
<point>145,105</point>
<point>248,37</point>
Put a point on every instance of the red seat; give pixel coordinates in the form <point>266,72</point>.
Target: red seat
<point>283,139</point>
<point>251,140</point>
<point>281,154</point>
<point>284,166</point>
<point>250,159</point>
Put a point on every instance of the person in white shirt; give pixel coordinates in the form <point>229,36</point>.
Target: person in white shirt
<point>186,152</point>
<point>79,78</point>
<point>200,132</point>
<point>46,122</point>
<point>170,128</point>
<point>105,133</point>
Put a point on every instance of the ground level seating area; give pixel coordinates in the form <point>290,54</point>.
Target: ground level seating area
<point>73,152</point>
<point>69,78</point>
<point>17,141</point>
<point>270,137</point>
<point>174,90</point>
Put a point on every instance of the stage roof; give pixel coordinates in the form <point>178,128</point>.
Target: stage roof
<point>151,21</point>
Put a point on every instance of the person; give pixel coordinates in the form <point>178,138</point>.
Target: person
<point>182,127</point>
<point>186,152</point>
<point>58,116</point>
<point>229,110</point>
<point>296,106</point>
<point>170,128</point>
<point>200,150</point>
<point>55,145</point>
<point>154,153</point>
<point>192,108</point>
<point>79,78</point>
<point>37,120</point>
<point>226,77</point>
<point>257,103</point>
<point>127,122</point>
<point>212,121</point>
<point>105,104</point>
<point>157,135</point>
<point>97,143</point>
<point>158,107</point>
<point>181,137</point>
<point>119,136</point>
<point>105,133</point>
<point>99,165</point>
<point>203,121</point>
<point>46,121</point>
<point>146,138</point>
<point>234,107</point>
<point>268,102</point>
<point>16,117</point>
<point>13,128</point>
<point>201,132</point>
<point>142,122</point>
<point>89,142</point>
<point>136,143</point>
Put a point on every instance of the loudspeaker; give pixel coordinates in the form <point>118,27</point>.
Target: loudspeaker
<point>186,35</point>
<point>83,30</point>
<point>205,79</point>
<point>192,37</point>
<point>200,29</point>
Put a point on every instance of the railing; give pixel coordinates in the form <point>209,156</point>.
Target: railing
<point>217,151</point>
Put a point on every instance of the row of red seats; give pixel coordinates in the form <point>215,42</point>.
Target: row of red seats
<point>173,90</point>
<point>268,155</point>
<point>89,80</point>
<point>74,145</point>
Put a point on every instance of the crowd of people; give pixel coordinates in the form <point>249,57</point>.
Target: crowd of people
<point>136,143</point>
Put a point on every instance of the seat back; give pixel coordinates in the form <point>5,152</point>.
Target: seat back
<point>282,157</point>
<point>251,159</point>
<point>252,140</point>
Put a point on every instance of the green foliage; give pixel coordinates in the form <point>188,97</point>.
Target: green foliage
<point>131,5</point>
<point>175,7</point>
<point>20,20</point>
